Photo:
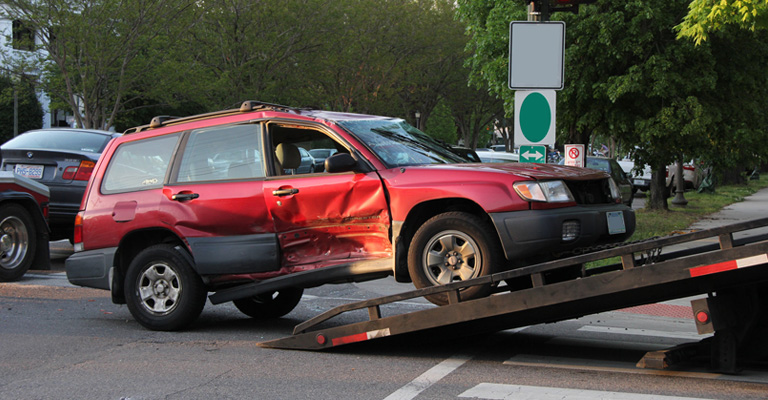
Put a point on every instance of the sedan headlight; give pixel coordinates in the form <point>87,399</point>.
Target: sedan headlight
<point>548,191</point>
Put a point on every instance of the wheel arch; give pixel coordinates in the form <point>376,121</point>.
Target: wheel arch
<point>129,247</point>
<point>418,215</point>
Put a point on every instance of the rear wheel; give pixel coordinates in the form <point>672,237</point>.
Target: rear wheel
<point>453,247</point>
<point>270,305</point>
<point>17,241</point>
<point>162,290</point>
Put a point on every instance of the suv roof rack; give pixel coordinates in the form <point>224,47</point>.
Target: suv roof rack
<point>246,106</point>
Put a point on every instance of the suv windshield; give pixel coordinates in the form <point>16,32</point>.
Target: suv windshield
<point>398,144</point>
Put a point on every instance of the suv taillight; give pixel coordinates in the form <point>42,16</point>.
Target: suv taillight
<point>79,173</point>
<point>78,236</point>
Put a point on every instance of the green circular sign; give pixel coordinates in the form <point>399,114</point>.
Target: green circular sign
<point>535,117</point>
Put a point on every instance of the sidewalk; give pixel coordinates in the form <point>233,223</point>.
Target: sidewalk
<point>753,207</point>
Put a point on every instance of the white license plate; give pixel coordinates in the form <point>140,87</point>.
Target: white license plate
<point>616,222</point>
<point>29,171</point>
<point>639,182</point>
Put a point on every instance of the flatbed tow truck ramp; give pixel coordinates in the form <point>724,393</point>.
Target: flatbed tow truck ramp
<point>733,273</point>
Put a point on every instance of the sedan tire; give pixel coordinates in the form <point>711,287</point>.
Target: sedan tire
<point>17,241</point>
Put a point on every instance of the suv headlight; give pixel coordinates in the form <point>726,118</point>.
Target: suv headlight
<point>547,191</point>
<point>615,192</point>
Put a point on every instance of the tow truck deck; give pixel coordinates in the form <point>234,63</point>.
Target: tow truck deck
<point>733,273</point>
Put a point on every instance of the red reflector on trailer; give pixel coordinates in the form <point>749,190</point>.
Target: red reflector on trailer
<point>360,337</point>
<point>702,317</point>
<point>321,339</point>
<point>729,265</point>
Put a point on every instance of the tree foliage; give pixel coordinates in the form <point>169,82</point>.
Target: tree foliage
<point>97,50</point>
<point>629,79</point>
<point>29,112</point>
<point>708,16</point>
<point>114,63</point>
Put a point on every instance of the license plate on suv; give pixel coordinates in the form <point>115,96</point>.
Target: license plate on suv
<point>616,222</point>
<point>29,171</point>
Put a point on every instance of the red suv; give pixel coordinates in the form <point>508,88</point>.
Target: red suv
<point>217,203</point>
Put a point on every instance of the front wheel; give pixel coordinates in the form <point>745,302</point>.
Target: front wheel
<point>270,305</point>
<point>453,247</point>
<point>17,242</point>
<point>162,290</point>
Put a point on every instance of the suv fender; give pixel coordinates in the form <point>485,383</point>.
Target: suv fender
<point>130,246</point>
<point>402,232</point>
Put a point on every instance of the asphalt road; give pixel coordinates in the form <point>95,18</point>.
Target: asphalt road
<point>64,342</point>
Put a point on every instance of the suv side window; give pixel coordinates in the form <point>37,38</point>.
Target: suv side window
<point>222,153</point>
<point>139,165</point>
<point>304,140</point>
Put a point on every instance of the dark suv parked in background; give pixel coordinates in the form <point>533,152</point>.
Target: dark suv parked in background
<point>216,203</point>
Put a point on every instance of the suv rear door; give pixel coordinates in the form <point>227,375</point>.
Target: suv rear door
<point>215,200</point>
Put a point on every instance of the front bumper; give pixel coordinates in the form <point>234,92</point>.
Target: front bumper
<point>534,232</point>
<point>91,268</point>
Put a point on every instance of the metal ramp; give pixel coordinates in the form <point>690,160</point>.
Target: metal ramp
<point>726,265</point>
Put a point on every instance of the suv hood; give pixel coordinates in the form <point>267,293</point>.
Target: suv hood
<point>532,171</point>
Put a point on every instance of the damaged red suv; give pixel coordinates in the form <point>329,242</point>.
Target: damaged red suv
<point>216,204</point>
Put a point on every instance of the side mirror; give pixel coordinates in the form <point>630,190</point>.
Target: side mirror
<point>340,162</point>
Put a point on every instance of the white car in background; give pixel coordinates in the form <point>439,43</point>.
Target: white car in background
<point>642,179</point>
<point>498,156</point>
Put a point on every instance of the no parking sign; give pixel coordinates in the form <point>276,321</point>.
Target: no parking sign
<point>574,155</point>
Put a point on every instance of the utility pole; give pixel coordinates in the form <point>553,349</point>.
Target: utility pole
<point>538,11</point>
<point>15,109</point>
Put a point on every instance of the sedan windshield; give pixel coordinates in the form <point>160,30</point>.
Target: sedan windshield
<point>398,144</point>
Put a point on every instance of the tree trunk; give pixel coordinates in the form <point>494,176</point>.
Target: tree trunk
<point>658,200</point>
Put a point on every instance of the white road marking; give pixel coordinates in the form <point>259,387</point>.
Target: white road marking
<point>433,375</point>
<point>643,332</point>
<point>429,378</point>
<point>493,391</point>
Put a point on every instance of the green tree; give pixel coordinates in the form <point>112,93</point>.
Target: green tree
<point>253,50</point>
<point>629,79</point>
<point>30,114</point>
<point>634,82</point>
<point>95,51</point>
<point>441,125</point>
<point>708,16</point>
<point>736,138</point>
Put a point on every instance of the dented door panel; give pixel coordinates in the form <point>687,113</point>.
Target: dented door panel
<point>329,219</point>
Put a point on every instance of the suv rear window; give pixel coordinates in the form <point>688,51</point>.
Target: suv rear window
<point>139,165</point>
<point>222,153</point>
<point>60,140</point>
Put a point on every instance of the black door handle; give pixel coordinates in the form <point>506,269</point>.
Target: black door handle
<point>285,192</point>
<point>184,196</point>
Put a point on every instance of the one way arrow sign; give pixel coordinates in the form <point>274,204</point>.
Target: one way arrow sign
<point>533,154</point>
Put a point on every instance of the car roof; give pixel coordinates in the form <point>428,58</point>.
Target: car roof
<point>96,131</point>
<point>254,106</point>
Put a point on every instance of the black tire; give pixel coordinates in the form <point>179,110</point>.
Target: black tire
<point>452,247</point>
<point>271,305</point>
<point>18,241</point>
<point>162,289</point>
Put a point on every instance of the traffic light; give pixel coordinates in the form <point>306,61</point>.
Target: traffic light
<point>567,5</point>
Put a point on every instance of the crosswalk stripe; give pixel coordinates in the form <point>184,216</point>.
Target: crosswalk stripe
<point>494,391</point>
